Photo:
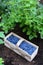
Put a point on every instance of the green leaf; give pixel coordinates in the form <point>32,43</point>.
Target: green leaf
<point>1,41</point>
<point>1,61</point>
<point>31,37</point>
<point>41,35</point>
<point>2,35</point>
<point>28,32</point>
<point>24,30</point>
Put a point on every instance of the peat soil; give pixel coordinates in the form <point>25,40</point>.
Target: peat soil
<point>11,58</point>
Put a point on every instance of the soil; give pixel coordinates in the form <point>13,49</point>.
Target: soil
<point>41,1</point>
<point>11,58</point>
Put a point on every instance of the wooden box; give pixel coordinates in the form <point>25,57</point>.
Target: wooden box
<point>21,46</point>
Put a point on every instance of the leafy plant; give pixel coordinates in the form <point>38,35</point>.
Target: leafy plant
<point>1,37</point>
<point>7,20</point>
<point>1,61</point>
<point>27,13</point>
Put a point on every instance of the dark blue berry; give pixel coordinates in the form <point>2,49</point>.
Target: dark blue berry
<point>13,39</point>
<point>27,47</point>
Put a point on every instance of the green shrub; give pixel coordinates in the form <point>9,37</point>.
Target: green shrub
<point>28,13</point>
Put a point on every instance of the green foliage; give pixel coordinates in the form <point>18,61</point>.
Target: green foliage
<point>1,61</point>
<point>28,13</point>
<point>1,41</point>
<point>1,37</point>
<point>7,17</point>
<point>2,34</point>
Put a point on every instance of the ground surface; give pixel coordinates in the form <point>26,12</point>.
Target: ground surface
<point>11,58</point>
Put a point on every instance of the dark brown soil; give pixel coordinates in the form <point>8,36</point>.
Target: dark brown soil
<point>11,58</point>
<point>41,1</point>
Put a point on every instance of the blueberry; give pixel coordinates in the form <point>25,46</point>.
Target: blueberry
<point>27,47</point>
<point>13,39</point>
